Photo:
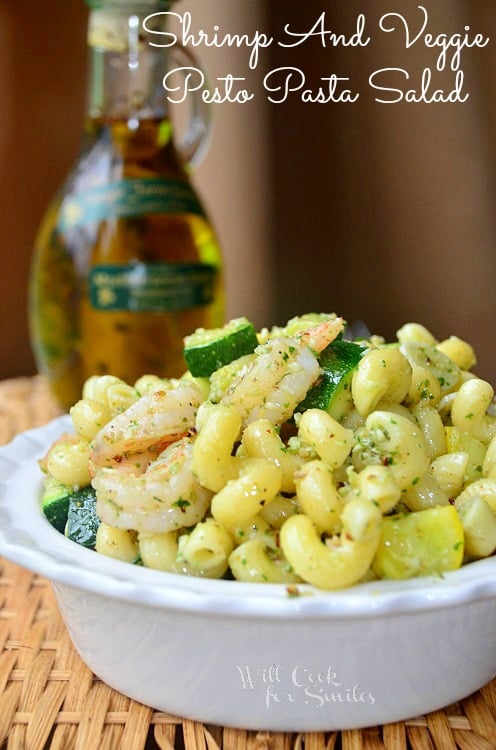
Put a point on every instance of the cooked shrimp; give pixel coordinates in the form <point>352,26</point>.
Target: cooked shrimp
<point>164,497</point>
<point>155,420</point>
<point>273,384</point>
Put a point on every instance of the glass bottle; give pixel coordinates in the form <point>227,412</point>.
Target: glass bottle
<point>126,261</point>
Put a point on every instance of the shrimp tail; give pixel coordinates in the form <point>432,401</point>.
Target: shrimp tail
<point>318,337</point>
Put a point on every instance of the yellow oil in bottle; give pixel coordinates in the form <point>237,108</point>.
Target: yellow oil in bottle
<point>126,261</point>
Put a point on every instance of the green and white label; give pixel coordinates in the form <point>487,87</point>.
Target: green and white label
<point>128,198</point>
<point>151,287</point>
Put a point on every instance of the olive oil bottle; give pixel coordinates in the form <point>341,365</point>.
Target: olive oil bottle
<point>126,261</point>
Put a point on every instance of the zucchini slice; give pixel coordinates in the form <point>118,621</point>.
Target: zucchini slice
<point>206,350</point>
<point>82,520</point>
<point>332,392</point>
<point>55,502</point>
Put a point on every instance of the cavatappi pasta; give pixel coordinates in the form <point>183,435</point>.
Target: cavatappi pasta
<point>259,473</point>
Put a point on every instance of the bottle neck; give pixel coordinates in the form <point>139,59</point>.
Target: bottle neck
<point>126,71</point>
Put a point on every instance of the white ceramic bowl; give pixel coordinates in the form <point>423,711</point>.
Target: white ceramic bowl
<point>248,655</point>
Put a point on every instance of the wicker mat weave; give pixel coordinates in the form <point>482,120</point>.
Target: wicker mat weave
<point>50,699</point>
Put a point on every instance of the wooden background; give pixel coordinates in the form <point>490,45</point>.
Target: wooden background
<point>384,213</point>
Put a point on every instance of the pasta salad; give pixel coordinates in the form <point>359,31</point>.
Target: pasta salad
<point>294,455</point>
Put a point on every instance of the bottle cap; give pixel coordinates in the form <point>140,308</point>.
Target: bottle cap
<point>129,5</point>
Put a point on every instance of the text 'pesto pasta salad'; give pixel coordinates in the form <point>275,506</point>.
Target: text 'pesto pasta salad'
<point>290,455</point>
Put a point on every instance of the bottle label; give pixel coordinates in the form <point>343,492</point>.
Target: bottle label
<point>151,287</point>
<point>128,198</point>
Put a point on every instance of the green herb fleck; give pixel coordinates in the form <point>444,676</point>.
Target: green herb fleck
<point>182,504</point>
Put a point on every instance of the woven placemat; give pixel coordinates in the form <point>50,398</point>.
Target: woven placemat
<point>50,700</point>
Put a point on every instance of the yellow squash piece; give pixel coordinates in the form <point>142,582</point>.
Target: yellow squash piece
<point>426,542</point>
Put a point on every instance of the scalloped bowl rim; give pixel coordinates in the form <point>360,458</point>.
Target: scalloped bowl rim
<point>27,539</point>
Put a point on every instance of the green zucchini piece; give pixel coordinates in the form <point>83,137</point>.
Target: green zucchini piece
<point>332,392</point>
<point>82,520</point>
<point>206,350</point>
<point>55,502</point>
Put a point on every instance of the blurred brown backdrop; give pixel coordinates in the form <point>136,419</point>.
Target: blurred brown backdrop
<point>384,213</point>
